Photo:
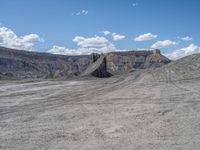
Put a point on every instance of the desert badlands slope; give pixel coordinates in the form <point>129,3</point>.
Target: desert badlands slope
<point>156,109</point>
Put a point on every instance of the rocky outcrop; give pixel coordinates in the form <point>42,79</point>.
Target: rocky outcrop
<point>121,62</point>
<point>98,68</point>
<point>17,64</point>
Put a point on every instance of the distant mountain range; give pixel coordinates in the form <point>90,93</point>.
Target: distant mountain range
<point>18,64</point>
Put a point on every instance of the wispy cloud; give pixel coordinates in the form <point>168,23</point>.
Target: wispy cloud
<point>185,38</point>
<point>79,13</point>
<point>135,4</point>
<point>115,36</point>
<point>106,32</point>
<point>118,37</point>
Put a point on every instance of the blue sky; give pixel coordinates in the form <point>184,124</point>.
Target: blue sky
<point>59,22</point>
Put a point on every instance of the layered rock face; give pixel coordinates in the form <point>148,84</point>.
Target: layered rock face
<point>17,64</point>
<point>120,62</point>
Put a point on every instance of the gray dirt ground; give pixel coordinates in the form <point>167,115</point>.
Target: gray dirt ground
<point>137,111</point>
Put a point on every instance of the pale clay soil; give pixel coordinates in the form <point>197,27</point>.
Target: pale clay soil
<point>148,110</point>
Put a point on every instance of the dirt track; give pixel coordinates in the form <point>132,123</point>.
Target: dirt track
<point>153,109</point>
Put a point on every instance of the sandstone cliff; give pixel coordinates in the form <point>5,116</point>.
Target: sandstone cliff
<point>120,62</point>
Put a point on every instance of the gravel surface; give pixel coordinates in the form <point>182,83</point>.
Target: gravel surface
<point>155,109</point>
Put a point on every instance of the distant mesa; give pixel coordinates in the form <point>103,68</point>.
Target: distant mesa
<point>123,62</point>
<point>17,64</point>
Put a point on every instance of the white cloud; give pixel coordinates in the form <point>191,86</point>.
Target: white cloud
<point>62,50</point>
<point>106,32</point>
<point>164,44</point>
<point>82,12</point>
<point>117,37</point>
<point>31,38</point>
<point>145,37</point>
<point>9,39</point>
<point>86,46</point>
<point>186,38</point>
<point>81,50</point>
<point>191,49</point>
<point>91,42</point>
